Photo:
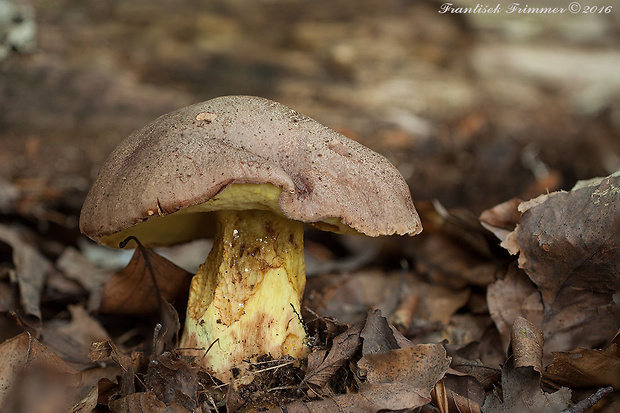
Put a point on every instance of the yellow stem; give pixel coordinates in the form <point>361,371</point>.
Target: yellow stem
<point>245,298</point>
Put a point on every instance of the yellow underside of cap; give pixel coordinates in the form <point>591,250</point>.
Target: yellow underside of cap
<point>196,221</point>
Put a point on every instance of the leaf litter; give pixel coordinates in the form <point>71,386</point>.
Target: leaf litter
<point>457,325</point>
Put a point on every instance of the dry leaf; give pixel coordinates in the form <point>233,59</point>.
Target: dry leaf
<point>448,401</point>
<point>175,381</point>
<point>78,268</point>
<point>343,347</point>
<point>502,218</point>
<point>420,366</point>
<point>471,367</point>
<point>88,403</point>
<point>377,335</point>
<point>31,268</point>
<point>527,344</point>
<point>569,245</point>
<point>100,351</point>
<point>372,398</point>
<point>521,389</point>
<point>71,340</point>
<point>34,379</point>
<point>144,402</point>
<point>136,289</point>
<point>506,298</point>
<point>458,253</point>
<point>587,368</point>
<point>463,391</point>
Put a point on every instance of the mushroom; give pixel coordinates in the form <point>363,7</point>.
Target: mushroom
<point>252,172</point>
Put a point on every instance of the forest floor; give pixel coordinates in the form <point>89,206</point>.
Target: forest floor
<point>508,301</point>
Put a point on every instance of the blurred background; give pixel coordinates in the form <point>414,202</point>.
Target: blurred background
<point>473,108</point>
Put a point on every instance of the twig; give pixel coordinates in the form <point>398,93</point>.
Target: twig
<point>588,402</point>
<point>253,373</point>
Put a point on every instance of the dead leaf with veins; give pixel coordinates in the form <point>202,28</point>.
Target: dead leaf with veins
<point>587,368</point>
<point>569,246</point>
<point>137,289</point>
<point>521,381</point>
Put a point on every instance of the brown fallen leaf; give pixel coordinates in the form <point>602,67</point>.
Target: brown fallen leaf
<point>420,366</point>
<point>78,268</point>
<point>502,219</point>
<point>569,246</point>
<point>31,268</point>
<point>143,402</point>
<point>34,379</point>
<point>587,368</point>
<point>403,315</point>
<point>527,344</point>
<point>521,386</point>
<point>348,297</point>
<point>458,253</point>
<point>448,401</point>
<point>372,398</point>
<point>377,336</point>
<point>88,403</point>
<point>465,392</point>
<point>173,380</point>
<point>322,365</point>
<point>397,380</point>
<point>100,351</point>
<point>136,290</point>
<point>470,366</point>
<point>72,339</point>
<point>506,300</point>
<point>93,386</point>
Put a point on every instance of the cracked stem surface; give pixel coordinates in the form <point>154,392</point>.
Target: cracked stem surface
<point>244,298</point>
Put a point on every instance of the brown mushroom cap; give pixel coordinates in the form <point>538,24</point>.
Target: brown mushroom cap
<point>186,157</point>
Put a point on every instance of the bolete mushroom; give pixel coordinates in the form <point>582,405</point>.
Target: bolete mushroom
<point>254,171</point>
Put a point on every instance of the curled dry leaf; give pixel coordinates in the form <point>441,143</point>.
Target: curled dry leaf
<point>527,344</point>
<point>465,393</point>
<point>102,350</point>
<point>136,290</point>
<point>377,335</point>
<point>31,268</point>
<point>569,245</point>
<point>344,346</point>
<point>521,389</point>
<point>448,401</point>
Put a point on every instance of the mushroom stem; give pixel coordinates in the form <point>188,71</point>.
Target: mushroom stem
<point>244,300</point>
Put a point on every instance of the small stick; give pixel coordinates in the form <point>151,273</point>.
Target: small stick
<point>588,402</point>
